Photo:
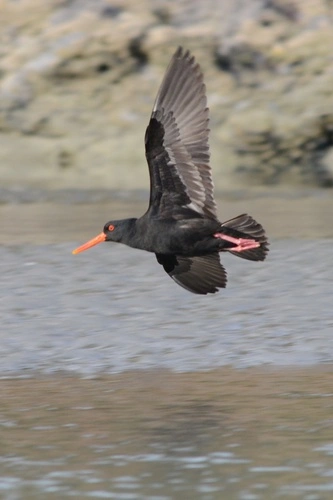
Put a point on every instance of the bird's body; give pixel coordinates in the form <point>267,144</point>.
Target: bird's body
<point>185,237</point>
<point>181,225</point>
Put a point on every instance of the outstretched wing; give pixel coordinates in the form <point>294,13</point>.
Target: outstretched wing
<point>176,142</point>
<point>202,275</point>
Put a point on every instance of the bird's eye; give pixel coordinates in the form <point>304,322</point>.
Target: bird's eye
<point>111,227</point>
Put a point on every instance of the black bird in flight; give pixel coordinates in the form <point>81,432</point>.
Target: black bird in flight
<point>181,225</point>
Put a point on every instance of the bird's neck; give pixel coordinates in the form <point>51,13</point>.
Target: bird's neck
<point>130,234</point>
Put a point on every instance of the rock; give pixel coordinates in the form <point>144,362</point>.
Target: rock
<point>78,80</point>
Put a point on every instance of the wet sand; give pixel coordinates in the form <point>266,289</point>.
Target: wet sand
<point>285,214</point>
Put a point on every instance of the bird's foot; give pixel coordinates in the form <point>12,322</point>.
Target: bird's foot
<point>241,244</point>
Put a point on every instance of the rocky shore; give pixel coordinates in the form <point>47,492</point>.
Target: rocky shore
<point>78,79</point>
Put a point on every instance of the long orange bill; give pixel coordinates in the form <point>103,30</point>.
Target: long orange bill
<point>91,243</point>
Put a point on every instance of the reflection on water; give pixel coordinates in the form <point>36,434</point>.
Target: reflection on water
<point>221,434</point>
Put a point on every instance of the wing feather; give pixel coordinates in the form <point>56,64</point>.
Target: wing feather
<point>201,274</point>
<point>181,111</point>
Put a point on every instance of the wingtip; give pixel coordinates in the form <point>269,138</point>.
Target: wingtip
<point>182,53</point>
<point>179,51</point>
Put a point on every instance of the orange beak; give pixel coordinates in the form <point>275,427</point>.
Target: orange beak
<point>91,243</point>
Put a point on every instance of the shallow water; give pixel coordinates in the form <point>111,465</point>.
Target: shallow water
<point>114,309</point>
<point>117,383</point>
<point>245,434</point>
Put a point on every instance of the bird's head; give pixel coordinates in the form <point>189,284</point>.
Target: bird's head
<point>112,231</point>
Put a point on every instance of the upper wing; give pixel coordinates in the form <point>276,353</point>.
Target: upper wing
<point>202,275</point>
<point>176,141</point>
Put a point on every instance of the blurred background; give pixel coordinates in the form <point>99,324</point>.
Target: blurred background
<point>79,78</point>
<point>115,382</point>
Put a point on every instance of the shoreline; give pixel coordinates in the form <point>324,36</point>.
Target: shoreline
<point>251,379</point>
<point>284,214</point>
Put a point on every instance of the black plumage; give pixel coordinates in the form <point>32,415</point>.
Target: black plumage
<point>181,225</point>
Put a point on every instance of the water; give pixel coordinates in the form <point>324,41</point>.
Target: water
<point>247,434</point>
<point>115,309</point>
<point>117,383</point>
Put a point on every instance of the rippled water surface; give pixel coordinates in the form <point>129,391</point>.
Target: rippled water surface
<point>116,383</point>
<point>114,309</point>
<point>247,434</point>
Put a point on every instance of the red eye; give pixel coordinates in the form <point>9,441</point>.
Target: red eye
<point>111,227</point>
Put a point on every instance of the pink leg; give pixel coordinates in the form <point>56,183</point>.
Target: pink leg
<point>241,243</point>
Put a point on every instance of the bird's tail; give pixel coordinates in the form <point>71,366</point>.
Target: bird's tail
<point>243,226</point>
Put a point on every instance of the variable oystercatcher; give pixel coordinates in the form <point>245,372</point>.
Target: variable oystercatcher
<point>181,225</point>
